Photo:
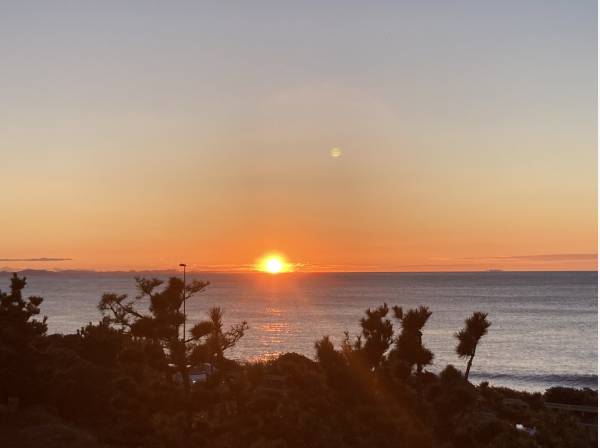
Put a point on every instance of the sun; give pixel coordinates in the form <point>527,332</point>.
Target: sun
<point>273,264</point>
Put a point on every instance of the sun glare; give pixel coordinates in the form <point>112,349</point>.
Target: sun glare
<point>274,264</point>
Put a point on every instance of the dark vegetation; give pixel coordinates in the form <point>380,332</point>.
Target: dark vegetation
<point>127,381</point>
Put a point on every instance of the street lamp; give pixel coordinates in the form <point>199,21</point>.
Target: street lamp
<point>183,265</point>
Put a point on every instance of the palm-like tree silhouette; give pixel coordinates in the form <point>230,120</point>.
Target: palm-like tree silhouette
<point>475,328</point>
<point>409,345</point>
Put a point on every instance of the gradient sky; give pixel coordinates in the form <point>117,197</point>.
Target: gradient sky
<point>141,135</point>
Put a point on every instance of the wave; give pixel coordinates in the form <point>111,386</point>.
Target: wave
<point>546,379</point>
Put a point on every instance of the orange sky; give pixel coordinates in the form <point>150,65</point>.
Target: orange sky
<point>467,142</point>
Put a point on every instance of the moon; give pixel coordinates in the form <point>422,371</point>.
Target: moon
<point>335,152</point>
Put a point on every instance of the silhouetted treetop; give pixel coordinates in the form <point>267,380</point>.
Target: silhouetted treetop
<point>377,332</point>
<point>16,313</point>
<point>409,350</point>
<point>475,328</point>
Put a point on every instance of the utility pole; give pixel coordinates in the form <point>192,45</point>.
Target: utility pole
<point>183,265</point>
<point>185,372</point>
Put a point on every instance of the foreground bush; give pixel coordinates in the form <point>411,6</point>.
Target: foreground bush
<point>122,383</point>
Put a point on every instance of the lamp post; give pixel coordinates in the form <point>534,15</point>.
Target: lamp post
<point>183,265</point>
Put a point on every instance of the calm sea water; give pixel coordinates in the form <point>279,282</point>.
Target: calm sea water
<point>544,325</point>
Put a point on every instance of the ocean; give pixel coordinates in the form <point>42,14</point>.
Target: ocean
<point>544,324</point>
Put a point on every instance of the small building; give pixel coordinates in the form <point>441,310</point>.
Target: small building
<point>198,374</point>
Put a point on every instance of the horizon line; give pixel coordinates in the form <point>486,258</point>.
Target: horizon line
<point>246,272</point>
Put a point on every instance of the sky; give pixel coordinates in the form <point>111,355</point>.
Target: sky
<point>138,135</point>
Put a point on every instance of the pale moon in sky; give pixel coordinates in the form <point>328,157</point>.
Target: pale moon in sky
<point>335,152</point>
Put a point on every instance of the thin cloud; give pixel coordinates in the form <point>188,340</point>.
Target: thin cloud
<point>539,257</point>
<point>36,259</point>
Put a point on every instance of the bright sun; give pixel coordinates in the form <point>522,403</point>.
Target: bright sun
<point>273,264</point>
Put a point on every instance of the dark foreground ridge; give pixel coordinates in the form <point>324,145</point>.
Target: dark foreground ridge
<point>136,379</point>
